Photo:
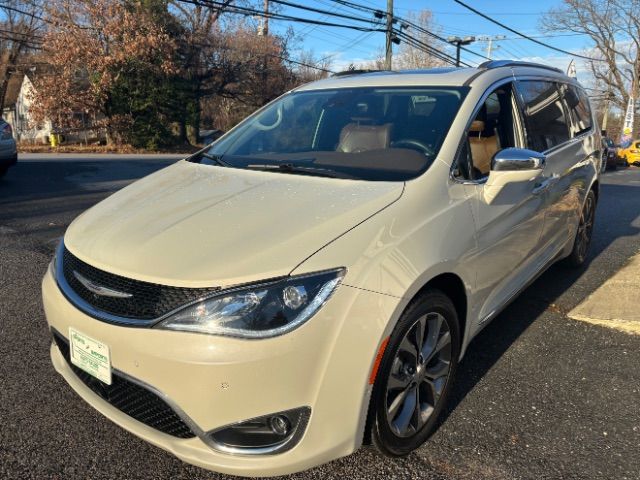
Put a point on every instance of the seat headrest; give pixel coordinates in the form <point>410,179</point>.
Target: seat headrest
<point>360,138</point>
<point>477,126</point>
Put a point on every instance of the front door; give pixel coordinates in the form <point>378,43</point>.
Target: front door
<point>508,227</point>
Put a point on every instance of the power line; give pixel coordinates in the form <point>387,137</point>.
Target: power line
<point>403,20</point>
<point>323,12</point>
<point>29,36</point>
<point>252,12</point>
<point>487,17</point>
<point>268,54</point>
<point>22,12</point>
<point>428,48</point>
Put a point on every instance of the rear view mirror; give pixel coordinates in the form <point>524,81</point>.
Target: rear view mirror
<point>517,159</point>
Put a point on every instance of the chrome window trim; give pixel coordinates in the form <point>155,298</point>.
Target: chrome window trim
<point>515,79</point>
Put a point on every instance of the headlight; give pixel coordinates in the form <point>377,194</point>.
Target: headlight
<point>258,311</point>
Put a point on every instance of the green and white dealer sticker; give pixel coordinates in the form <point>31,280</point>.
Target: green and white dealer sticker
<point>90,355</point>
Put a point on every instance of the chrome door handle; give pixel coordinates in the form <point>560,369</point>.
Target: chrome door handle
<point>543,186</point>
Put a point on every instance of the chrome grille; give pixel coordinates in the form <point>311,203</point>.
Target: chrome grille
<point>144,301</point>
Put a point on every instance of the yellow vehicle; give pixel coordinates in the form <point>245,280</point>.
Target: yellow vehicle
<point>631,154</point>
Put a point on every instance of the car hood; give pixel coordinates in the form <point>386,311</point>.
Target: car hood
<point>199,225</point>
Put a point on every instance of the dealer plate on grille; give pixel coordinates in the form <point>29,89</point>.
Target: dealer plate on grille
<point>90,355</point>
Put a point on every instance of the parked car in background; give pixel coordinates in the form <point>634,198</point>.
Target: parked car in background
<point>609,155</point>
<point>631,154</point>
<point>8,148</point>
<point>310,281</point>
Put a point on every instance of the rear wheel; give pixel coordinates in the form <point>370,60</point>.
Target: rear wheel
<point>415,374</point>
<point>584,233</point>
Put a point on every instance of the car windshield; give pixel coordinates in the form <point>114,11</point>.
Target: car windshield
<point>378,134</point>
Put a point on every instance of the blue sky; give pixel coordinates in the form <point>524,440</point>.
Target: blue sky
<point>346,46</point>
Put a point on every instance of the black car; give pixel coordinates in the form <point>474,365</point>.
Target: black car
<point>609,155</point>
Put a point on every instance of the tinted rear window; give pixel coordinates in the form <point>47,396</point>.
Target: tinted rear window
<point>579,109</point>
<point>547,125</point>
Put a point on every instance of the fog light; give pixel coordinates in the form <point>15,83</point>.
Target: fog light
<point>265,435</point>
<point>280,424</point>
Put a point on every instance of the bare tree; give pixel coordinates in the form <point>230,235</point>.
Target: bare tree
<point>416,54</point>
<point>614,27</point>
<point>20,35</point>
<point>309,68</point>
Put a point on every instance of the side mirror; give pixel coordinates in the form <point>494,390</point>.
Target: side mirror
<point>512,169</point>
<point>517,159</point>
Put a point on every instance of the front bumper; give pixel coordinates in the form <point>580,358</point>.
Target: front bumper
<point>632,159</point>
<point>216,381</point>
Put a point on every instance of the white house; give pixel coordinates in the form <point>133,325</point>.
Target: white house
<point>16,113</point>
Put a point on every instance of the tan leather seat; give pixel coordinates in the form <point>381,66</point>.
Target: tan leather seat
<point>360,138</point>
<point>483,148</point>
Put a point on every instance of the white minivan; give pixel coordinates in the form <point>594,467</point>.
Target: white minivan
<point>310,281</point>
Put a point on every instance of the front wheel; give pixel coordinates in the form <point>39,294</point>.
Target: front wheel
<point>584,232</point>
<point>415,374</point>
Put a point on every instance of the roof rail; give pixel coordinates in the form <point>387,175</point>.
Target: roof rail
<point>489,64</point>
<point>357,72</point>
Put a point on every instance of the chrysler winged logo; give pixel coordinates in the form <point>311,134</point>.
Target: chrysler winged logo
<point>99,289</point>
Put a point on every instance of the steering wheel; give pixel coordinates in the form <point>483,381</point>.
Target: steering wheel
<point>413,145</point>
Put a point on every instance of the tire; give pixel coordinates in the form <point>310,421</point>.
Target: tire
<point>3,171</point>
<point>584,233</point>
<point>405,380</point>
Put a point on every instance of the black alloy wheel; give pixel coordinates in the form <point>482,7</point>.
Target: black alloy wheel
<point>584,232</point>
<point>415,374</point>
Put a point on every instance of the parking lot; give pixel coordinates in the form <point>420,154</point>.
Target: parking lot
<point>538,395</point>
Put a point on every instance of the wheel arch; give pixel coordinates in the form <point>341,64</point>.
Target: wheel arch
<point>453,287</point>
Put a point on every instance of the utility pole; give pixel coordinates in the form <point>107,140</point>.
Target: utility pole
<point>265,19</point>
<point>389,43</point>
<point>459,42</point>
<point>490,39</point>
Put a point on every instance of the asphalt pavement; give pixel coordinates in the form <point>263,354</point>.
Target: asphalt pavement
<point>538,395</point>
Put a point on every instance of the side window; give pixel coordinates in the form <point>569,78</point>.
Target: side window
<point>547,125</point>
<point>579,109</point>
<point>494,128</point>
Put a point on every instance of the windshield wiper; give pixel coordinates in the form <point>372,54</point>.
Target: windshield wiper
<point>290,168</point>
<point>216,158</point>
